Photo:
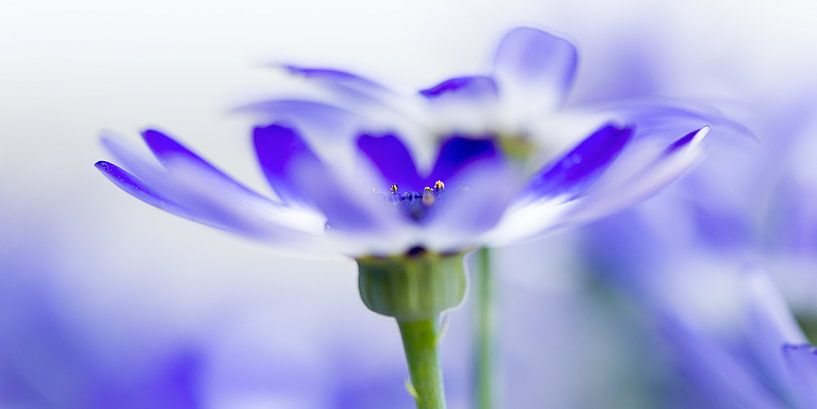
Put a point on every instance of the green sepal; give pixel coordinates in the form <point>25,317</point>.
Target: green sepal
<point>412,287</point>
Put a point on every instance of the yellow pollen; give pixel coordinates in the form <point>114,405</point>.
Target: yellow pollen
<point>428,197</point>
<point>393,188</point>
<point>427,189</point>
<point>439,185</point>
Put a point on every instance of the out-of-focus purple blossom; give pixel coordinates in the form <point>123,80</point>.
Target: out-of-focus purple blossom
<point>760,359</point>
<point>684,257</point>
<point>375,195</point>
<point>49,359</point>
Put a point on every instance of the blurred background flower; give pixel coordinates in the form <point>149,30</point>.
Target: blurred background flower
<point>98,308</point>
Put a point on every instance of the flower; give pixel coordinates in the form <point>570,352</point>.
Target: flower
<point>323,205</point>
<point>378,196</point>
<point>53,356</point>
<point>683,258</point>
<point>408,223</point>
<point>761,359</point>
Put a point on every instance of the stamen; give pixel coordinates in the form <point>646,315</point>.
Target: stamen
<point>428,197</point>
<point>415,204</point>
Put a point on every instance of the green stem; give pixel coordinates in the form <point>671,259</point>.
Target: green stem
<point>484,393</point>
<point>420,343</point>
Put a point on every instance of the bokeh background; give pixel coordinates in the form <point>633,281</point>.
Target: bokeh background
<point>108,303</point>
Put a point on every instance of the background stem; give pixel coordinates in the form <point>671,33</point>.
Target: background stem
<point>485,322</point>
<point>420,344</point>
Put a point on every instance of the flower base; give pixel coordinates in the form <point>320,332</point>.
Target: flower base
<point>412,287</point>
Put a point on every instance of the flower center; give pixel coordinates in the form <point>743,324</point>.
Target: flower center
<point>415,204</point>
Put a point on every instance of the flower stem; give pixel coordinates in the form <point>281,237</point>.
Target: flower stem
<point>420,344</point>
<point>484,393</point>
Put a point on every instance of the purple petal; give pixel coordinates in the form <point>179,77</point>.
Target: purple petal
<point>536,64</point>
<point>628,181</point>
<point>472,203</point>
<point>681,142</point>
<point>348,207</point>
<point>200,195</point>
<point>393,159</point>
<point>458,152</point>
<point>333,75</point>
<point>477,87</point>
<point>313,117</point>
<point>635,179</point>
<point>663,116</point>
<point>802,363</point>
<point>166,149</point>
<point>136,188</point>
<point>574,172</point>
<point>710,367</point>
<point>352,88</point>
<point>277,147</point>
<point>299,176</point>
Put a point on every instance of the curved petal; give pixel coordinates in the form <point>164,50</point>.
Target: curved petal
<point>166,148</point>
<point>801,360</point>
<point>668,116</point>
<point>527,220</point>
<point>472,203</point>
<point>631,183</point>
<point>726,377</point>
<point>277,147</point>
<point>474,87</point>
<point>298,175</point>
<point>574,172</point>
<point>535,68</point>
<point>458,152</point>
<point>341,81</point>
<point>136,188</point>
<point>611,193</point>
<point>318,118</point>
<point>463,104</point>
<point>393,159</point>
<point>350,204</point>
<point>204,197</point>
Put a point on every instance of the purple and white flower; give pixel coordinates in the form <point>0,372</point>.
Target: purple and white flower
<point>378,195</point>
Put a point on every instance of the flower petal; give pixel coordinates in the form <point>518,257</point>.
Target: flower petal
<point>393,159</point>
<point>463,104</point>
<point>472,203</point>
<point>136,188</point>
<point>529,219</point>
<point>535,67</point>
<point>669,117</point>
<point>632,183</point>
<point>357,213</point>
<point>626,186</point>
<point>299,176</point>
<point>320,120</point>
<point>166,148</point>
<point>207,198</point>
<point>457,152</point>
<point>277,147</point>
<point>337,78</point>
<point>475,87</point>
<point>575,171</point>
<point>801,360</point>
<point>716,370</point>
